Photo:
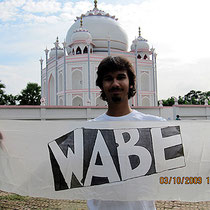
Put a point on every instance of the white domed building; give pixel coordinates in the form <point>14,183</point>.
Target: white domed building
<point>70,73</point>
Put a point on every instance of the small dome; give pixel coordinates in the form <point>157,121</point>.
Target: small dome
<point>59,50</point>
<point>53,52</point>
<point>141,43</point>
<point>81,35</point>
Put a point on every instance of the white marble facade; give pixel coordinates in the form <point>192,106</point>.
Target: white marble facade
<point>68,78</point>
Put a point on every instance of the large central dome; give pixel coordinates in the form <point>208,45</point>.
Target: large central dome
<point>102,28</point>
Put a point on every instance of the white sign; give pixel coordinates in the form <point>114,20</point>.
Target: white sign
<point>88,157</point>
<point>106,160</point>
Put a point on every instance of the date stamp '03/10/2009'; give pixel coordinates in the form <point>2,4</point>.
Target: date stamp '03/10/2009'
<point>184,180</point>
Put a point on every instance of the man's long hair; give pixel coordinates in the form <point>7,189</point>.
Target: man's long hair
<point>113,64</point>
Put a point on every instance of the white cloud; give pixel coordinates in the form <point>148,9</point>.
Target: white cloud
<point>43,6</point>
<point>9,9</point>
<point>71,10</point>
<point>83,6</point>
<point>40,19</point>
<point>40,11</point>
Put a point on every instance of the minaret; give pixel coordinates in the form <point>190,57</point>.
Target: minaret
<point>154,68</point>
<point>41,63</point>
<point>64,71</point>
<point>137,74</point>
<point>88,44</point>
<point>56,70</point>
<point>46,88</point>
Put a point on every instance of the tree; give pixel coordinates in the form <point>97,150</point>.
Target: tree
<point>168,102</point>
<point>2,94</point>
<point>196,97</point>
<point>31,95</point>
<point>10,99</point>
<point>193,97</point>
<point>6,99</point>
<point>1,87</point>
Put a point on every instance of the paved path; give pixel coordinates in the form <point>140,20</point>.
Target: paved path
<point>13,201</point>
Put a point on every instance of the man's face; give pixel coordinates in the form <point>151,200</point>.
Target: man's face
<point>116,86</point>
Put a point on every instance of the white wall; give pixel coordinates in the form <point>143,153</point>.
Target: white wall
<point>84,113</point>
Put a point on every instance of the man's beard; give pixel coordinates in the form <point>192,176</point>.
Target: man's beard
<point>116,99</point>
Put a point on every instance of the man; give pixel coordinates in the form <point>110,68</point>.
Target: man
<point>117,81</point>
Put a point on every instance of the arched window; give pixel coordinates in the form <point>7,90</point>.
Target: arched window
<point>139,56</point>
<point>145,102</point>
<point>85,50</point>
<point>77,101</point>
<point>78,51</point>
<point>76,80</point>
<point>52,90</point>
<point>145,57</point>
<point>61,102</point>
<point>145,82</point>
<point>60,85</point>
<point>91,50</point>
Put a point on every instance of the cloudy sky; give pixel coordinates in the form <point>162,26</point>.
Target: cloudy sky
<point>178,30</point>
